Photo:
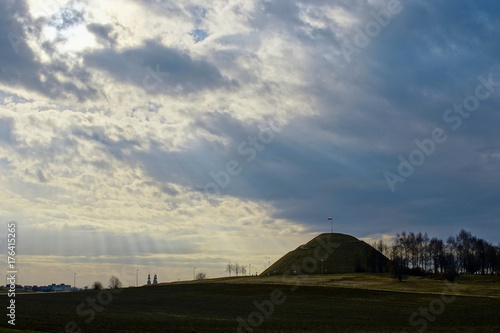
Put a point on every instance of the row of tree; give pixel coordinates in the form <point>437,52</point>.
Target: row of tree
<point>114,283</point>
<point>463,254</point>
<point>236,268</point>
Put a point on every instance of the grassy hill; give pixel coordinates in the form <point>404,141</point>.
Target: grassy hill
<point>340,253</point>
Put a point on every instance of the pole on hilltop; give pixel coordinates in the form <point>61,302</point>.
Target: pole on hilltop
<point>331,220</point>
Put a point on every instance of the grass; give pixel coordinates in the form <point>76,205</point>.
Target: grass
<point>4,290</point>
<point>466,285</point>
<point>329,303</point>
<point>8,330</point>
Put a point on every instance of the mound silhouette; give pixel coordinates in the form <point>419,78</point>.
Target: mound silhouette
<point>340,253</point>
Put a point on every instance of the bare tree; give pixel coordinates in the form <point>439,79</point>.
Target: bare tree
<point>397,268</point>
<point>480,246</point>
<point>491,257</point>
<point>237,268</point>
<point>464,241</point>
<point>243,270</point>
<point>229,268</point>
<point>201,276</point>
<point>114,283</point>
<point>97,285</point>
<point>436,252</point>
<point>497,266</point>
<point>382,247</point>
<point>400,250</point>
<point>463,254</point>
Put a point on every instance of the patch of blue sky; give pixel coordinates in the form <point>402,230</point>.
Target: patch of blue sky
<point>199,35</point>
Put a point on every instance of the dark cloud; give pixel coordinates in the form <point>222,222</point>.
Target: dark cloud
<point>166,7</point>
<point>98,134</point>
<point>426,60</point>
<point>367,112</point>
<point>370,111</point>
<point>158,69</point>
<point>19,66</point>
<point>103,32</point>
<point>41,176</point>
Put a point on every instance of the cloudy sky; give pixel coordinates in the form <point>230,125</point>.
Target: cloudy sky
<point>167,135</point>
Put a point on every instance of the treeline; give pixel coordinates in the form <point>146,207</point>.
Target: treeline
<point>463,254</point>
<point>236,268</point>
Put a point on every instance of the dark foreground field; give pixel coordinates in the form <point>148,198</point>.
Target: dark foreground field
<point>215,307</point>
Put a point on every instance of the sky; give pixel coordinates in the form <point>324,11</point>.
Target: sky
<point>171,137</point>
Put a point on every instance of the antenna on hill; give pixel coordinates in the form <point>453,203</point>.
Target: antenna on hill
<point>331,220</point>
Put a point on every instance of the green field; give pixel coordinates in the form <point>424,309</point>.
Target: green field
<point>329,303</point>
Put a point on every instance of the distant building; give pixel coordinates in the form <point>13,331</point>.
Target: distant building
<point>53,288</point>
<point>61,287</point>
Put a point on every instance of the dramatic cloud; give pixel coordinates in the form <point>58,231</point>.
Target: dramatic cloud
<point>166,135</point>
<point>158,69</point>
<point>103,33</point>
<point>21,66</point>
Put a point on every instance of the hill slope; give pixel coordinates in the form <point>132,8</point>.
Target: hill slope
<point>340,253</point>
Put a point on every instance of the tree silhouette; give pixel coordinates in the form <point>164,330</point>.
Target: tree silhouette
<point>397,268</point>
<point>114,283</point>
<point>201,276</point>
<point>229,268</point>
<point>463,254</point>
<point>97,285</point>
